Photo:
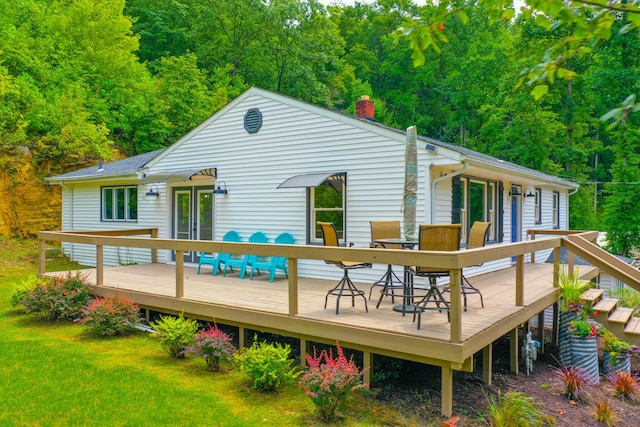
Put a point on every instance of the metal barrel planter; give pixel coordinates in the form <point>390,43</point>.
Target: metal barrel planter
<point>621,362</point>
<point>584,355</point>
<point>564,346</point>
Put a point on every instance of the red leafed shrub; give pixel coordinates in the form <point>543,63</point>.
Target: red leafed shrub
<point>111,315</point>
<point>213,346</point>
<point>574,382</point>
<point>57,298</point>
<point>328,381</point>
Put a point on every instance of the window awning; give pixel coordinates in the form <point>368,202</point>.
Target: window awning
<point>179,176</point>
<point>314,179</point>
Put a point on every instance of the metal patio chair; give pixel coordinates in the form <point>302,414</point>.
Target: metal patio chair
<point>435,237</point>
<point>389,280</point>
<point>345,287</point>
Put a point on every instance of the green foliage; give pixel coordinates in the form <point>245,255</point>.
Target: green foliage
<point>604,413</point>
<point>175,334</point>
<point>111,315</point>
<point>213,346</point>
<point>57,298</point>
<point>329,381</point>
<point>629,298</point>
<point>570,288</point>
<point>583,329</point>
<point>515,409</point>
<point>268,365</point>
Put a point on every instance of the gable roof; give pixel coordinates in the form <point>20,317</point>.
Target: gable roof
<point>128,166</point>
<point>458,154</point>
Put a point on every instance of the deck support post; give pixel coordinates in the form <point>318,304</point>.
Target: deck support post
<point>99,265</point>
<point>514,352</point>
<point>541,331</point>
<point>242,337</point>
<point>303,353</point>
<point>367,366</point>
<point>520,280</point>
<point>487,364</point>
<point>179,274</point>
<point>447,391</point>
<point>293,286</point>
<point>556,320</point>
<point>455,289</point>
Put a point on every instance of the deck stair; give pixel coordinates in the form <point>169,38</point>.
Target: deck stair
<point>618,320</point>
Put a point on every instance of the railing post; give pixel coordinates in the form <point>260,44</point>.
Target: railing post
<point>179,274</point>
<point>519,280</point>
<point>455,285</point>
<point>556,267</point>
<point>533,254</point>
<point>99,265</point>
<point>293,286</point>
<point>154,252</point>
<point>42,257</point>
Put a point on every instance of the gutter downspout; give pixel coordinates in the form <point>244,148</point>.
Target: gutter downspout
<point>435,182</point>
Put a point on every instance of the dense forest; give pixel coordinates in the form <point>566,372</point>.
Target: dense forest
<point>81,80</point>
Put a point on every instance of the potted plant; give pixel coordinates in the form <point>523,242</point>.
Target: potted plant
<point>584,347</point>
<point>570,290</point>
<point>616,353</point>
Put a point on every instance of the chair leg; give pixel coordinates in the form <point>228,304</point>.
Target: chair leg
<point>347,288</point>
<point>387,281</point>
<point>468,288</point>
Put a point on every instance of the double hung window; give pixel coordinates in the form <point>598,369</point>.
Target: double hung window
<point>119,203</point>
<point>327,204</point>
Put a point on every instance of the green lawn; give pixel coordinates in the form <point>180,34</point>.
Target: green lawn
<point>55,374</point>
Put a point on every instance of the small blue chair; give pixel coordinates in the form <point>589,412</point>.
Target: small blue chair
<point>276,262</point>
<point>230,236</point>
<point>257,237</point>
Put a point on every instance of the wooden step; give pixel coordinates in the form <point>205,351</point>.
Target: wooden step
<point>621,315</point>
<point>633,327</point>
<point>606,305</point>
<point>592,296</point>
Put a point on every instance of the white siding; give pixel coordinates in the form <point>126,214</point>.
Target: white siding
<point>295,138</point>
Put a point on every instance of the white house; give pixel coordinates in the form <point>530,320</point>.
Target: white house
<point>279,164</point>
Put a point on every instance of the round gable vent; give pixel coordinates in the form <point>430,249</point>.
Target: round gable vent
<point>253,120</point>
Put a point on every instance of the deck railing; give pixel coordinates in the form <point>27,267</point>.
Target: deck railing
<point>575,242</point>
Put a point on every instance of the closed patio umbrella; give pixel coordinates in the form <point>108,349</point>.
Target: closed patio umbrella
<point>410,184</point>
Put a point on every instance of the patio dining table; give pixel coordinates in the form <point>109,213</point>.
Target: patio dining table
<point>407,293</point>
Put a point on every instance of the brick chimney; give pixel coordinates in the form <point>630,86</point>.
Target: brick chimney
<point>364,108</point>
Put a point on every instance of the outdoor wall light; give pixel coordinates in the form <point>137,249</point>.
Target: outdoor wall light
<point>514,192</point>
<point>153,192</point>
<point>221,189</point>
<point>530,193</point>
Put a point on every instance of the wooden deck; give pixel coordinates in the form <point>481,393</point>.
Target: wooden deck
<point>261,305</point>
<point>295,307</point>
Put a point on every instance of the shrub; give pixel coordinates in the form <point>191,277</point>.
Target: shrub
<point>21,289</point>
<point>267,365</point>
<point>213,346</point>
<point>111,315</point>
<point>604,413</point>
<point>516,409</point>
<point>625,386</point>
<point>58,298</point>
<point>329,381</point>
<point>574,382</point>
<point>175,334</point>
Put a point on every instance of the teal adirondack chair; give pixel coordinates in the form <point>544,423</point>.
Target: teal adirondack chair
<point>257,237</point>
<point>276,262</point>
<point>230,236</point>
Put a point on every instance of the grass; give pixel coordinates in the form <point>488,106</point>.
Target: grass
<point>55,374</point>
